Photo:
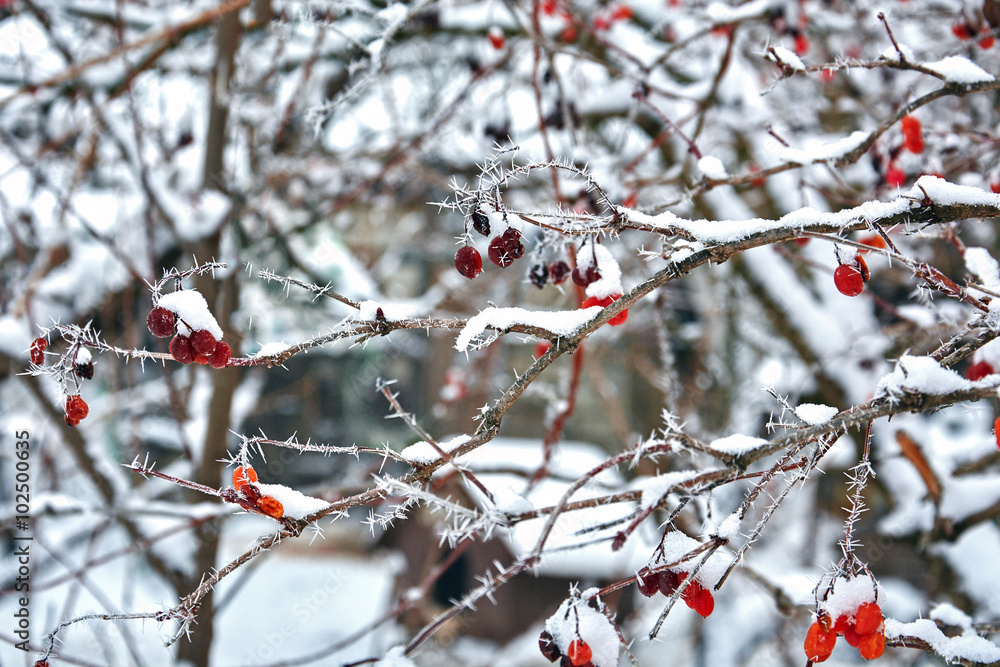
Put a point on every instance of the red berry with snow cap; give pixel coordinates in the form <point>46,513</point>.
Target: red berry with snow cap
<point>849,280</point>
<point>203,342</point>
<point>160,322</point>
<point>868,618</point>
<point>578,653</point>
<point>37,351</point>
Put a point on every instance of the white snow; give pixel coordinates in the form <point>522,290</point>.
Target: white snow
<point>393,312</point>
<point>192,312</point>
<point>297,505</point>
<point>949,614</point>
<point>83,356</point>
<point>395,657</point>
<point>787,57</point>
<point>713,168</point>
<point>849,594</point>
<point>654,488</point>
<point>511,502</point>
<point>814,414</point>
<point>958,69</point>
<point>271,349</point>
<point>737,444</point>
<point>558,322</point>
<point>577,620</point>
<point>943,192</point>
<point>980,263</point>
<point>970,647</point>
<point>610,283</point>
<point>920,374</point>
<point>818,151</point>
<point>423,453</point>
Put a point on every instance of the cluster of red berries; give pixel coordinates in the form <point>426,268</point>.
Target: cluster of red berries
<point>37,351</point>
<point>620,13</point>
<point>250,497</point>
<point>965,31</point>
<point>200,347</point>
<point>667,582</point>
<point>865,631</point>
<point>502,250</point>
<point>578,654</point>
<point>913,134</point>
<point>76,409</point>
<point>850,278</point>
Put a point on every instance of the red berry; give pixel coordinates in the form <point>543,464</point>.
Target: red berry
<point>578,653</point>
<point>996,430</point>
<point>913,134</point>
<point>621,13</point>
<point>841,625</point>
<point>271,507</point>
<point>819,643</point>
<point>548,7</point>
<point>547,645</point>
<point>220,358</point>
<point>71,421</point>
<point>160,322</point>
<point>243,476</point>
<point>894,177</point>
<point>76,408</point>
<point>181,350</point>
<point>995,188</point>
<point>961,31</point>
<point>601,23</point>
<point>203,342</point>
<point>699,599</point>
<point>801,45</point>
<point>827,75</point>
<point>539,275</point>
<point>987,42</point>
<point>541,347</point>
<point>512,238</point>
<point>201,359</point>
<point>648,582</point>
<point>872,646</point>
<point>620,318</point>
<point>979,370</point>
<point>496,37</point>
<point>668,581</point>
<point>868,618</point>
<point>468,261</point>
<point>569,34</point>
<point>849,280</point>
<point>498,253</point>
<point>37,351</point>
<point>863,268</point>
<point>851,635</point>
<point>873,240</point>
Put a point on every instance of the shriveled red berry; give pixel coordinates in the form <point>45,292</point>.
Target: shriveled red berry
<point>578,653</point>
<point>872,646</point>
<point>584,276</point>
<point>468,261</point>
<point>220,358</point>
<point>819,643</point>
<point>498,253</point>
<point>37,351</point>
<point>849,280</point>
<point>559,272</point>
<point>668,581</point>
<point>547,645</point>
<point>70,421</point>
<point>181,350</point>
<point>203,342</point>
<point>76,407</point>
<point>242,476</point>
<point>979,370</point>
<point>868,618</point>
<point>648,582</point>
<point>84,370</point>
<point>481,222</point>
<point>160,322</point>
<point>271,507</point>
<point>539,275</point>
<point>512,239</point>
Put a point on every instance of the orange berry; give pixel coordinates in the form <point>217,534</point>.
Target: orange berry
<point>868,618</point>
<point>271,507</point>
<point>37,351</point>
<point>819,643</point>
<point>849,280</point>
<point>851,635</point>
<point>76,408</point>
<point>872,646</point>
<point>579,653</point>
<point>241,477</point>
<point>996,430</point>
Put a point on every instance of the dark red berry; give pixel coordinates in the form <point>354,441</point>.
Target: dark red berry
<point>498,253</point>
<point>468,261</point>
<point>37,351</point>
<point>84,370</point>
<point>539,275</point>
<point>648,582</point>
<point>181,350</point>
<point>481,222</point>
<point>667,581</point>
<point>512,240</point>
<point>559,272</point>
<point>849,280</point>
<point>220,358</point>
<point>203,342</point>
<point>584,276</point>
<point>547,645</point>
<point>160,322</point>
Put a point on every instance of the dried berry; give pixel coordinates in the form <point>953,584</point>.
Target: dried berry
<point>668,581</point>
<point>648,582</point>
<point>203,342</point>
<point>512,240</point>
<point>37,351</point>
<point>271,507</point>
<point>220,358</point>
<point>468,261</point>
<point>498,253</point>
<point>241,477</point>
<point>559,272</point>
<point>539,275</point>
<point>181,350</point>
<point>84,370</point>
<point>160,322</point>
<point>547,645</point>
<point>76,409</point>
<point>819,643</point>
<point>481,222</point>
